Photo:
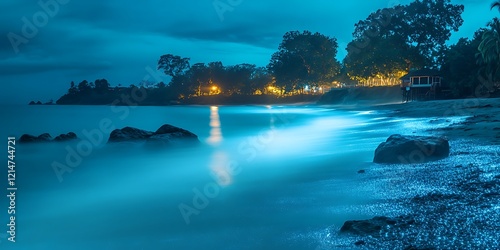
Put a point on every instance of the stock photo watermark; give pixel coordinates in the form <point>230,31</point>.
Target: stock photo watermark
<point>224,6</point>
<point>249,150</point>
<point>31,26</point>
<point>382,20</point>
<point>94,137</point>
<point>11,188</point>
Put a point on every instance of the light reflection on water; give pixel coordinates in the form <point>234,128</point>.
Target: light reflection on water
<point>215,127</point>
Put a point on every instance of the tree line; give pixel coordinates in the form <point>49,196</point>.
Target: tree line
<point>386,45</point>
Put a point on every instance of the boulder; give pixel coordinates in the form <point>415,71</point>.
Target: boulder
<point>175,131</point>
<point>31,138</point>
<point>411,149</point>
<point>66,137</point>
<point>163,140</point>
<point>166,135</point>
<point>45,137</point>
<point>366,227</point>
<point>375,225</point>
<point>129,134</point>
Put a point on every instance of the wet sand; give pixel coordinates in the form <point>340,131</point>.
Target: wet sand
<point>482,123</point>
<point>452,203</point>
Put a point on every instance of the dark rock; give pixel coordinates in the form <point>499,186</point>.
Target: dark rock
<point>166,135</point>
<point>66,137</point>
<point>411,149</point>
<point>163,140</point>
<point>31,138</point>
<point>365,227</point>
<point>360,243</point>
<point>361,171</point>
<point>169,129</point>
<point>497,177</point>
<point>32,103</point>
<point>28,138</point>
<point>39,103</point>
<point>129,134</point>
<point>45,137</point>
<point>375,225</point>
<point>488,195</point>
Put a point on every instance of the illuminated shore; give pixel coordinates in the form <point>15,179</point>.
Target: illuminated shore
<point>452,203</point>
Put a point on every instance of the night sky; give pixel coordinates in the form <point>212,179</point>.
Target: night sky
<point>122,40</point>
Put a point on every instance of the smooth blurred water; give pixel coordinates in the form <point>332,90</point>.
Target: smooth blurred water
<point>263,178</point>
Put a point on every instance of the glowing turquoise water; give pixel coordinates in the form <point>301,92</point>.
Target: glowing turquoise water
<point>263,178</point>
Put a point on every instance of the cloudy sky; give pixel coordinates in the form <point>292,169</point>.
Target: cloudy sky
<point>44,48</point>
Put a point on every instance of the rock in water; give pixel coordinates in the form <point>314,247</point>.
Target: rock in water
<point>45,137</point>
<point>28,138</point>
<point>166,135</point>
<point>66,137</point>
<point>129,134</point>
<point>169,129</point>
<point>169,135</point>
<point>31,138</point>
<point>411,149</point>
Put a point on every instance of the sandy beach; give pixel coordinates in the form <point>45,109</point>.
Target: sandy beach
<point>452,203</point>
<point>482,122</point>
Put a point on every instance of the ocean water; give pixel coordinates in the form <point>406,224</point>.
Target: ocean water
<point>264,177</point>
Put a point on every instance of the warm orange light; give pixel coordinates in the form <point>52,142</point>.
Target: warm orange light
<point>214,88</point>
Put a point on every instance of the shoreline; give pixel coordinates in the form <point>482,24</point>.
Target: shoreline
<point>453,203</point>
<point>481,124</point>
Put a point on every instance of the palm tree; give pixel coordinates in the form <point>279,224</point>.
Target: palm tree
<point>496,4</point>
<point>489,50</point>
<point>490,44</point>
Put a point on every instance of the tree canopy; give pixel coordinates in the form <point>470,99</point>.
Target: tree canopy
<point>402,37</point>
<point>459,68</point>
<point>173,65</point>
<point>304,58</point>
<point>489,53</point>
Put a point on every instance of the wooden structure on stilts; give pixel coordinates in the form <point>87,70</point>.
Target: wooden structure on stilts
<point>420,85</point>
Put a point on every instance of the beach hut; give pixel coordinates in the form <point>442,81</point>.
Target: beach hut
<point>421,84</point>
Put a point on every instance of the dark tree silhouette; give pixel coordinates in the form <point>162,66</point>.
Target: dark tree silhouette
<point>424,25</point>
<point>489,52</point>
<point>459,68</point>
<point>84,86</point>
<point>72,89</point>
<point>173,65</point>
<point>304,58</point>
<point>101,85</point>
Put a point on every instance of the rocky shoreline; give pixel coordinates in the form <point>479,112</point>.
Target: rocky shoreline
<point>452,203</point>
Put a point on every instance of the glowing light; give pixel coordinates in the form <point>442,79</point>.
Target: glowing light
<point>215,127</point>
<point>221,171</point>
<point>214,88</point>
